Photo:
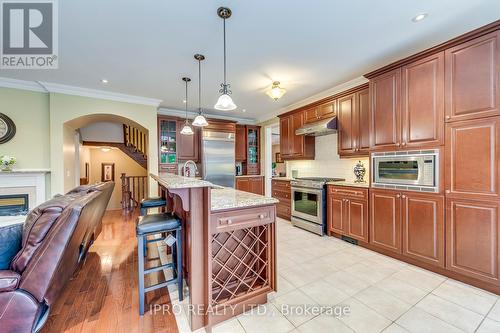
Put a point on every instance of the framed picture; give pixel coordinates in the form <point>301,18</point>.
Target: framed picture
<point>107,172</point>
<point>278,158</point>
<point>87,176</point>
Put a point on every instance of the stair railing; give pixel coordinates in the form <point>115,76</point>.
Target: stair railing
<point>134,189</point>
<point>135,138</point>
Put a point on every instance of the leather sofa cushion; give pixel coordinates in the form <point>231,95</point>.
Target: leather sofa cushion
<point>10,243</point>
<point>9,280</point>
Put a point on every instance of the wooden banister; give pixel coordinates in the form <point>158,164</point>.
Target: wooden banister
<point>134,189</point>
<point>135,138</point>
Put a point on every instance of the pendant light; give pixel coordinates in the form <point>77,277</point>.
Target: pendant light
<point>276,91</point>
<point>186,129</point>
<point>225,102</point>
<point>199,120</point>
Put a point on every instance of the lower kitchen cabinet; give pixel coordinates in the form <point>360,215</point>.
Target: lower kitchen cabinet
<point>423,227</point>
<point>251,184</point>
<point>347,212</point>
<point>385,219</point>
<point>281,190</point>
<point>472,236</point>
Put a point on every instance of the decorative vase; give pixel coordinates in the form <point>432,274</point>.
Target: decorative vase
<point>6,168</point>
<point>7,162</point>
<point>359,172</point>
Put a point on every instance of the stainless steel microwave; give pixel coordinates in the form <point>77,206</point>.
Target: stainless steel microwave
<point>406,170</point>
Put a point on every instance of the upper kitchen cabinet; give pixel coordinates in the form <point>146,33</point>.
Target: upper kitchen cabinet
<point>187,145</point>
<point>320,112</point>
<point>253,150</point>
<point>422,100</point>
<point>292,146</point>
<point>385,115</point>
<point>353,123</point>
<point>241,143</point>
<point>167,144</point>
<point>473,158</point>
<point>472,79</point>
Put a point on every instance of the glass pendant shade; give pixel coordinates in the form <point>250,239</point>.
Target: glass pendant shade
<point>187,130</point>
<point>225,103</point>
<point>200,121</point>
<point>276,91</point>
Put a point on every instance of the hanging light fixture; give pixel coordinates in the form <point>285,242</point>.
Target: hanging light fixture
<point>199,120</point>
<point>276,91</point>
<point>186,129</point>
<point>225,102</point>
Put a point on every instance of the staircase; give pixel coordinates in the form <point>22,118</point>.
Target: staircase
<point>134,145</point>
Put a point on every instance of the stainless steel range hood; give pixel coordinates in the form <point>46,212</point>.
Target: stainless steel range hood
<point>322,127</point>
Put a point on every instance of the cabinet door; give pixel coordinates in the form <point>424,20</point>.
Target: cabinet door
<point>326,110</point>
<point>422,99</point>
<point>385,112</point>
<point>311,115</point>
<point>356,219</point>
<point>187,145</point>
<point>385,219</point>
<point>253,150</point>
<point>363,120</point>
<point>297,146</point>
<point>423,227</point>
<point>472,232</point>
<point>257,185</point>
<point>285,138</point>
<point>240,143</point>
<point>472,80</point>
<point>167,140</point>
<point>335,214</point>
<point>472,158</point>
<point>347,125</point>
<point>243,184</point>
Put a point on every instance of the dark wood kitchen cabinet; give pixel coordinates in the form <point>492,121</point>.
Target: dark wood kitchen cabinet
<point>423,227</point>
<point>281,190</point>
<point>320,112</point>
<point>347,212</point>
<point>250,184</point>
<point>473,159</point>
<point>422,102</point>
<point>472,79</point>
<point>292,146</point>
<point>472,238</point>
<point>253,150</point>
<point>385,219</point>
<point>187,145</point>
<point>240,143</point>
<point>353,122</point>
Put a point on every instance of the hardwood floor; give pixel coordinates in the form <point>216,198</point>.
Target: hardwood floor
<point>103,297</point>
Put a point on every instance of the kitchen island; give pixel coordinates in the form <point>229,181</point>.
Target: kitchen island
<point>229,247</point>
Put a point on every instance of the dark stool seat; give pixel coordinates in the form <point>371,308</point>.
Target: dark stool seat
<point>152,202</point>
<point>160,222</point>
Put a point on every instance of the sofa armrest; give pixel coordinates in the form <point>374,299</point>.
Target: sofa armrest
<point>19,312</point>
<point>9,280</point>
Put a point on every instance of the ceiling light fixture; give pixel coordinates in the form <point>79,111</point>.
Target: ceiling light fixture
<point>199,120</point>
<point>104,81</point>
<point>186,129</point>
<point>419,17</point>
<point>225,102</point>
<point>276,91</point>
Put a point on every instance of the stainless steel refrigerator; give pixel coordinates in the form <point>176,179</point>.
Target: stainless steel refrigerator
<point>218,158</point>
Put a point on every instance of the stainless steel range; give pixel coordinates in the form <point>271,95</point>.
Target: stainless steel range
<point>309,203</point>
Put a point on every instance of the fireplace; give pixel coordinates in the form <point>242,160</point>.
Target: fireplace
<point>14,204</point>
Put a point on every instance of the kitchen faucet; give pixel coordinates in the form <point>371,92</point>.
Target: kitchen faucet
<point>186,170</point>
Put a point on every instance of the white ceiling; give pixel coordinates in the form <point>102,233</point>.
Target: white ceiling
<point>144,47</point>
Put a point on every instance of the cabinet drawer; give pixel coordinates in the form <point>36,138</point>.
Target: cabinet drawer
<point>353,192</point>
<point>242,218</point>
<point>172,168</point>
<point>281,185</point>
<point>281,195</point>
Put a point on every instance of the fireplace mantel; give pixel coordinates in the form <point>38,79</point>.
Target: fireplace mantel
<point>31,181</point>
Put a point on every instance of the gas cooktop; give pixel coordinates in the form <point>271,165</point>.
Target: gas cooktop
<point>321,179</point>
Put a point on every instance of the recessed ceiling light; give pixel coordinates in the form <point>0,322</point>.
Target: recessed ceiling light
<point>184,101</point>
<point>105,81</point>
<point>244,110</point>
<point>419,17</point>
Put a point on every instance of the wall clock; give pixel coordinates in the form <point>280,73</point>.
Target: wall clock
<point>7,128</point>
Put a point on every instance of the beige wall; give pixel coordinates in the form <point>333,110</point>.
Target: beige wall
<point>76,112</point>
<point>123,164</point>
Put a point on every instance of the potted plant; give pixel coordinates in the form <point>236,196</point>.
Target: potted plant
<point>7,162</point>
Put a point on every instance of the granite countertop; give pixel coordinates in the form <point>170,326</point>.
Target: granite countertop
<point>172,181</point>
<point>282,178</point>
<point>243,176</point>
<point>229,198</point>
<point>350,184</point>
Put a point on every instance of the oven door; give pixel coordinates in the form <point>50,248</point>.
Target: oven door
<point>398,170</point>
<point>307,204</point>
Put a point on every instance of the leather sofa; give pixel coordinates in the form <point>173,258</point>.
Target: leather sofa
<point>55,239</point>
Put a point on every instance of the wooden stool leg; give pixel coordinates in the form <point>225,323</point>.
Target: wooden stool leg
<point>140,262</point>
<point>178,246</point>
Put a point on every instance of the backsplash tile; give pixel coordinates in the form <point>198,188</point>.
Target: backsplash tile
<point>327,162</point>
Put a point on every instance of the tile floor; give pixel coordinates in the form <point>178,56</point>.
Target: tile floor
<point>382,294</point>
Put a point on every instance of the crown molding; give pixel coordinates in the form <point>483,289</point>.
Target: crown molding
<point>191,115</point>
<point>324,94</point>
<point>99,94</point>
<point>6,82</point>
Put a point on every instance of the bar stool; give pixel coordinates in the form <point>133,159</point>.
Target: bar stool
<point>153,224</point>
<point>152,202</point>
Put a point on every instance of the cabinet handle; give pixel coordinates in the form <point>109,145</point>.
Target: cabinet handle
<point>403,196</point>
<point>447,191</point>
<point>261,216</point>
<point>448,117</point>
<point>398,144</point>
<point>398,196</point>
<point>403,144</point>
<point>229,221</point>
